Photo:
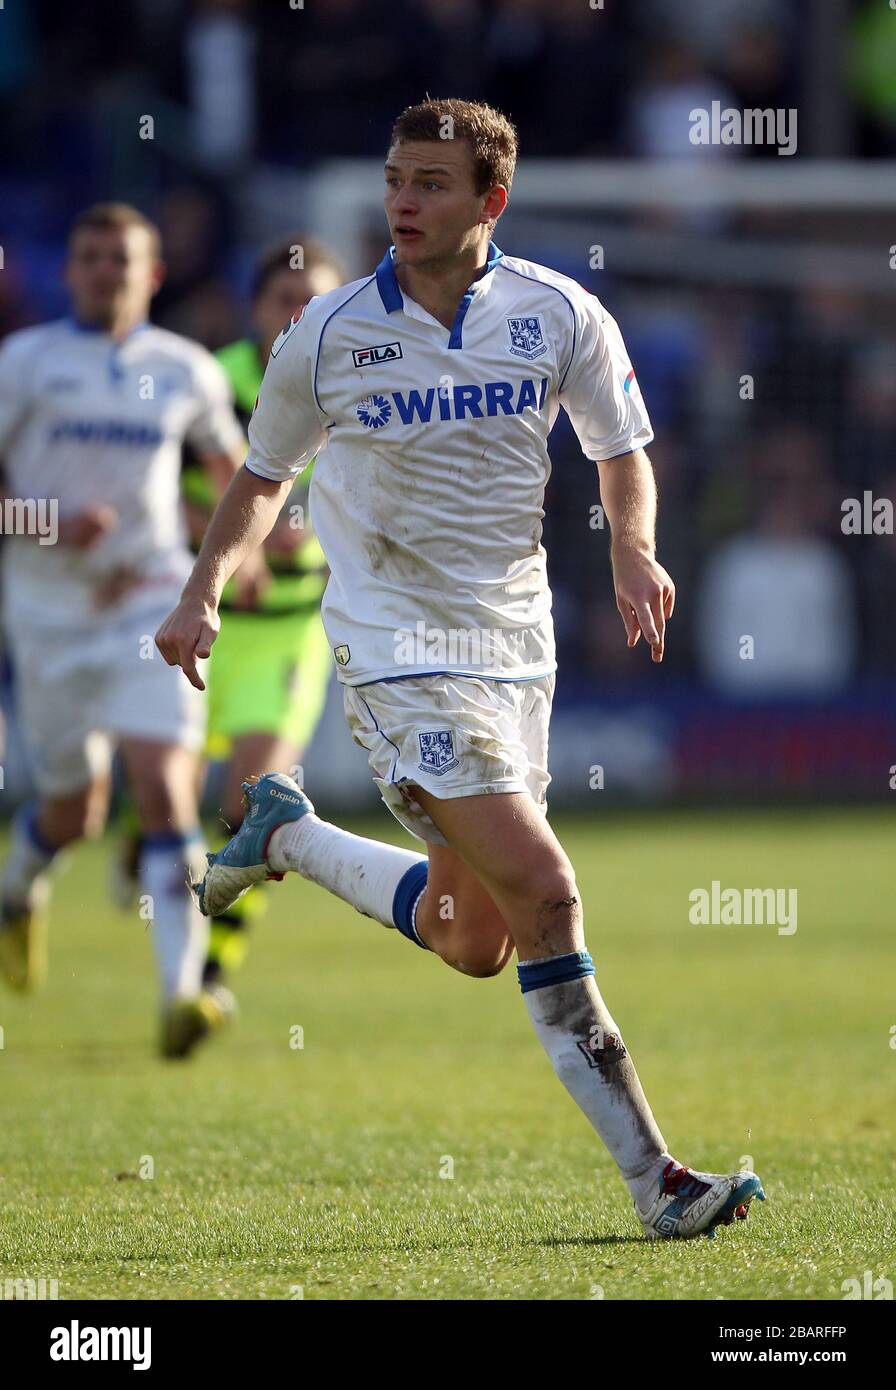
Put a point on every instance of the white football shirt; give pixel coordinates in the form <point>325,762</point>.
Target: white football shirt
<point>427,494</point>
<point>86,420</point>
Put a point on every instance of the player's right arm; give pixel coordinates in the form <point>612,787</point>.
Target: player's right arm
<point>241,521</point>
<point>18,354</point>
<point>286,430</point>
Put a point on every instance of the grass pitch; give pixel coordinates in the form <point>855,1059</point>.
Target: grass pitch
<point>417,1145</point>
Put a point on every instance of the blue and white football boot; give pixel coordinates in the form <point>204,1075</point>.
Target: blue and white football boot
<point>269,802</point>
<point>692,1204</point>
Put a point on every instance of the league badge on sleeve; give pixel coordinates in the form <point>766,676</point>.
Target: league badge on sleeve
<point>631,388</point>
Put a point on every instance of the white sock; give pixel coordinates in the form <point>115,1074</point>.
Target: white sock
<point>180,931</point>
<point>28,861</point>
<point>577,1031</point>
<point>381,881</point>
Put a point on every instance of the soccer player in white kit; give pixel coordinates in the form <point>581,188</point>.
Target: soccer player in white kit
<point>427,391</point>
<point>94,410</point>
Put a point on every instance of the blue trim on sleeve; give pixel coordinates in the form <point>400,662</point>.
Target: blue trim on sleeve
<point>556,970</point>
<point>320,343</point>
<point>255,473</point>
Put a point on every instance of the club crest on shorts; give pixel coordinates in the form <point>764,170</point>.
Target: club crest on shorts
<point>526,338</point>
<point>437,751</point>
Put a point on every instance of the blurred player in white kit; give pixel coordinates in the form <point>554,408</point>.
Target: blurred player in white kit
<point>94,410</point>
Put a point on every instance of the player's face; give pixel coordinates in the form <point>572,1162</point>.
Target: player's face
<point>431,203</point>
<point>284,293</point>
<point>112,275</point>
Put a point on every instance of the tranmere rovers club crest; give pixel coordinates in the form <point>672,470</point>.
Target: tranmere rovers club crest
<point>437,751</point>
<point>526,338</point>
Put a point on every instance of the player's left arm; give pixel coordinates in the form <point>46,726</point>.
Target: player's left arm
<point>645,594</point>
<point>600,394</point>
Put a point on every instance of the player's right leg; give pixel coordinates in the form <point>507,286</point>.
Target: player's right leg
<point>457,918</point>
<point>40,831</point>
<point>56,687</point>
<point>437,902</point>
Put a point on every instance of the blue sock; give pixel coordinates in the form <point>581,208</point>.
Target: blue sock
<point>554,970</point>
<point>404,904</point>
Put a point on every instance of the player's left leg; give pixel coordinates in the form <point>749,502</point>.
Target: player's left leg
<point>512,849</point>
<point>162,778</point>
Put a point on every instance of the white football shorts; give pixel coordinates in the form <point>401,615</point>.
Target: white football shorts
<point>79,689</point>
<point>454,736</point>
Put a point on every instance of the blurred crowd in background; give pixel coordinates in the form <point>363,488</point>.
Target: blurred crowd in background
<point>304,80</point>
<point>752,484</point>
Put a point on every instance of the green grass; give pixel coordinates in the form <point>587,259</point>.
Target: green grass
<point>320,1168</point>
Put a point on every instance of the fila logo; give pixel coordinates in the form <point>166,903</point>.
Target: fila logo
<point>369,356</point>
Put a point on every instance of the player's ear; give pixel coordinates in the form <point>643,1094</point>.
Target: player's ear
<point>159,271</point>
<point>495,203</point>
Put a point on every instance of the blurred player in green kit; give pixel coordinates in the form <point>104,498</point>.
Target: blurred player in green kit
<point>268,674</point>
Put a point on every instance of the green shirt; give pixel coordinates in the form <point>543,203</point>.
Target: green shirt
<point>297,582</point>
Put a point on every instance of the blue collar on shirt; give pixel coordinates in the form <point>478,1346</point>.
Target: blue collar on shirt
<point>390,290</point>
<point>115,370</point>
<point>78,324</point>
